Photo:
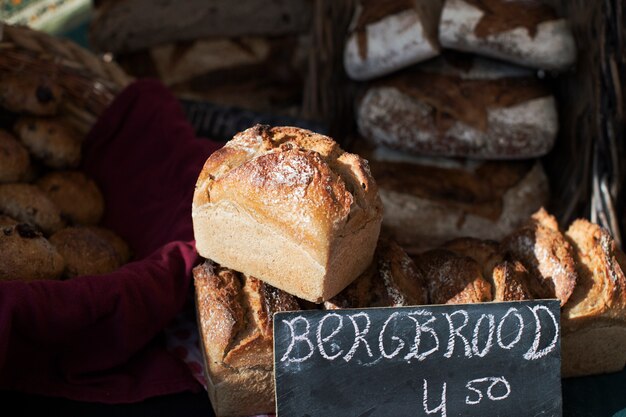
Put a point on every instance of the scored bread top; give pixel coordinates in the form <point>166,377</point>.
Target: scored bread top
<point>297,182</point>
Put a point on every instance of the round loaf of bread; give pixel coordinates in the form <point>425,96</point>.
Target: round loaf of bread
<point>28,204</point>
<point>50,140</point>
<point>26,254</point>
<point>77,196</point>
<point>85,252</point>
<point>14,160</point>
<point>289,207</point>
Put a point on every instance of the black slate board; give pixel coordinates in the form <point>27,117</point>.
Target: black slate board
<point>329,370</point>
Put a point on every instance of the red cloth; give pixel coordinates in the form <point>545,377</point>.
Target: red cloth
<point>98,338</point>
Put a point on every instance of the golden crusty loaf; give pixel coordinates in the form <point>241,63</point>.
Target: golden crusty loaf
<point>235,318</point>
<point>594,318</point>
<point>290,207</point>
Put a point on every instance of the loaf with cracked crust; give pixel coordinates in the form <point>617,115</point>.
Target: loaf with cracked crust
<point>428,202</point>
<point>460,107</point>
<point>290,207</point>
<point>386,36</point>
<point>526,32</point>
<point>235,318</point>
<point>594,318</point>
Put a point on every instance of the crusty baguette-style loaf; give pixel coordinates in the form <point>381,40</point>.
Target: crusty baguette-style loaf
<point>428,203</point>
<point>390,35</point>
<point>594,318</point>
<point>462,108</point>
<point>235,317</point>
<point>525,32</point>
<point>290,207</point>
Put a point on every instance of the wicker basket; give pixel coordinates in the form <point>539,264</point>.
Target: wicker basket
<point>587,165</point>
<point>90,83</point>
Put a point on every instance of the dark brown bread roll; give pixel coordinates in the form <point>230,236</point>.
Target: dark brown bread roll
<point>28,204</point>
<point>25,254</point>
<point>77,196</point>
<point>50,140</point>
<point>29,93</point>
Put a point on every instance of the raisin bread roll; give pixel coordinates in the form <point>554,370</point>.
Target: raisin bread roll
<point>235,318</point>
<point>29,93</point>
<point>390,35</point>
<point>28,204</point>
<point>290,207</point>
<point>594,318</point>
<point>26,254</point>
<point>546,254</point>
<point>392,280</point>
<point>460,108</point>
<point>50,140</point>
<point>77,196</point>
<point>428,202</point>
<point>525,32</point>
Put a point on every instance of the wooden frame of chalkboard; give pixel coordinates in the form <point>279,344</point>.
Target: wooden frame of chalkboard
<point>490,359</point>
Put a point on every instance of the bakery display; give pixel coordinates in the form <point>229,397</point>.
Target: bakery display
<point>470,109</point>
<point>526,32</point>
<point>289,207</point>
<point>391,35</point>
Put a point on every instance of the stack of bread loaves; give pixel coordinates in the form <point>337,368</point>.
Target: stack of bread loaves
<point>211,50</point>
<point>481,112</point>
<point>49,210</point>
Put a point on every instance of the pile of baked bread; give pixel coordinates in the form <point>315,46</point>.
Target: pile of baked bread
<point>49,209</point>
<point>252,56</point>
<point>287,221</point>
<point>448,80</point>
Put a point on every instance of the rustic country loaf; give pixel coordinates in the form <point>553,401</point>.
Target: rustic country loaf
<point>235,319</point>
<point>461,108</point>
<point>386,36</point>
<point>428,202</point>
<point>289,207</point>
<point>525,32</point>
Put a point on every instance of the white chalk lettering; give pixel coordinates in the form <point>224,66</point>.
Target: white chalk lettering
<point>489,343</point>
<point>456,332</point>
<point>520,329</point>
<point>396,338</point>
<point>419,329</point>
<point>479,395</point>
<point>321,340</point>
<point>532,353</point>
<point>442,405</point>
<point>359,336</point>
<point>297,338</point>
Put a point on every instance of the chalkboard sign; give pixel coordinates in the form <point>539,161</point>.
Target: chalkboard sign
<point>490,359</point>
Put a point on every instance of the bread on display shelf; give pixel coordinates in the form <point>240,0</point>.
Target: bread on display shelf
<point>525,32</point>
<point>458,106</point>
<point>386,36</point>
<point>289,207</point>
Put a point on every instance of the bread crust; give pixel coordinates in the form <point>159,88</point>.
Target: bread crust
<point>505,30</point>
<point>282,202</point>
<point>28,204</point>
<point>14,159</point>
